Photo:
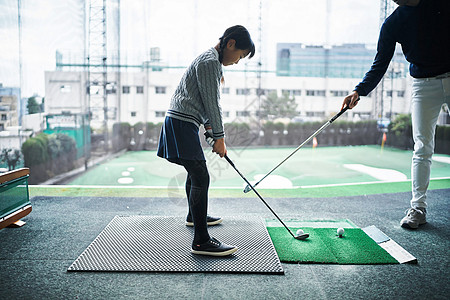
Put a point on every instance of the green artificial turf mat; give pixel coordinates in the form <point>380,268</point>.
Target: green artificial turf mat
<point>324,246</point>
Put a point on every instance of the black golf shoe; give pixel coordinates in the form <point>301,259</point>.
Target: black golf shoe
<point>211,221</point>
<point>214,248</point>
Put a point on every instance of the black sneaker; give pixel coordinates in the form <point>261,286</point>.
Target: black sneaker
<point>211,221</point>
<point>213,247</point>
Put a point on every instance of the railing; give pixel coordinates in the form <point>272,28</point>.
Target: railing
<point>14,197</point>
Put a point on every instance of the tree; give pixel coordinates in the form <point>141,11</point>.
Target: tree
<point>401,128</point>
<point>401,125</point>
<point>32,106</point>
<point>60,144</point>
<point>10,157</point>
<point>62,152</point>
<point>35,150</point>
<point>273,107</point>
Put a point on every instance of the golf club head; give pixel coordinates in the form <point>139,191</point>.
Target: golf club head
<point>247,189</point>
<point>302,236</point>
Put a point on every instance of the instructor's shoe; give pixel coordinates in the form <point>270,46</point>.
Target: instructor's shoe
<point>211,221</point>
<point>414,217</point>
<point>213,247</point>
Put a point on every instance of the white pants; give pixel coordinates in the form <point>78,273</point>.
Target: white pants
<point>428,95</point>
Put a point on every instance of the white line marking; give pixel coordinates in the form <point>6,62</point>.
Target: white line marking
<point>442,159</point>
<point>213,187</point>
<point>125,180</point>
<point>378,173</point>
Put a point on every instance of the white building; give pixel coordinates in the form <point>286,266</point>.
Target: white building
<point>144,96</point>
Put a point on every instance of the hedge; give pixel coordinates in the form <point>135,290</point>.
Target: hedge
<point>48,155</point>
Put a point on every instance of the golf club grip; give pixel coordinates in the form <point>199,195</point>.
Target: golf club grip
<point>341,112</point>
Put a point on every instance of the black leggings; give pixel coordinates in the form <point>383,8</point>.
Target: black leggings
<point>197,184</point>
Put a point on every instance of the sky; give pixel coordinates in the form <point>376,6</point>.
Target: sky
<point>182,29</point>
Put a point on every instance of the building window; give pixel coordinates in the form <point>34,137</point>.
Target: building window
<point>139,90</point>
<point>265,92</point>
<point>111,88</point>
<point>338,93</point>
<point>133,114</point>
<point>401,94</point>
<point>125,89</point>
<point>242,91</point>
<point>315,113</point>
<point>160,89</point>
<point>226,90</point>
<point>243,113</point>
<point>65,89</point>
<point>292,92</point>
<point>94,90</point>
<point>4,117</point>
<point>260,92</point>
<point>226,114</point>
<point>315,93</point>
<point>160,114</point>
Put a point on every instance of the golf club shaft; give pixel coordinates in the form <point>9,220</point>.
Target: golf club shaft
<point>249,186</point>
<point>259,196</point>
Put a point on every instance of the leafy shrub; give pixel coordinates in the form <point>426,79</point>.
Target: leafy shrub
<point>121,136</point>
<point>238,134</point>
<point>35,150</point>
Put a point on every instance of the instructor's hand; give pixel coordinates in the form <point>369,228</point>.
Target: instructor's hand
<point>219,147</point>
<point>351,100</point>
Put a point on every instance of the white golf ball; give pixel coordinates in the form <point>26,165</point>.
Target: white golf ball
<point>340,232</point>
<point>300,232</point>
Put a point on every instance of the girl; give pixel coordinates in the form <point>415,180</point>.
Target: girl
<point>196,102</point>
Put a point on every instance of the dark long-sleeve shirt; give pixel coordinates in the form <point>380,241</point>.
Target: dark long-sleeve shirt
<point>423,31</point>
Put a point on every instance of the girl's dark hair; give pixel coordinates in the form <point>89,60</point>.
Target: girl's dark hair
<point>241,36</point>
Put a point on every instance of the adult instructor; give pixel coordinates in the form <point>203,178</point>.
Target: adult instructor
<point>422,28</point>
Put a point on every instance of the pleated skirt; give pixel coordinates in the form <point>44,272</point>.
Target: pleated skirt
<point>179,139</point>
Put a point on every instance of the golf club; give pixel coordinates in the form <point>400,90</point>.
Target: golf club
<point>210,141</point>
<point>249,186</point>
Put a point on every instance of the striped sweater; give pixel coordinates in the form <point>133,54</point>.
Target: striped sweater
<point>196,98</point>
